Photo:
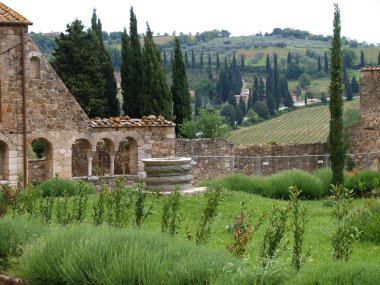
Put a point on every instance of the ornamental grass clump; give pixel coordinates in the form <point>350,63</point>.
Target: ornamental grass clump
<point>105,255</point>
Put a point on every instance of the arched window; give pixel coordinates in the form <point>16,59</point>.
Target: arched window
<point>35,72</point>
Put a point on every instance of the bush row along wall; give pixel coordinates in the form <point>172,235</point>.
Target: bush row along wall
<point>213,158</point>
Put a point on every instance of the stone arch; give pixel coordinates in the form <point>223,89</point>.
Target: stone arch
<point>35,67</point>
<point>102,157</point>
<point>43,150</point>
<point>82,153</point>
<point>4,161</point>
<point>126,159</point>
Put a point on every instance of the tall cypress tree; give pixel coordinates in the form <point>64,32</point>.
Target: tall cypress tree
<point>165,59</point>
<point>378,59</point>
<point>110,91</point>
<point>133,68</point>
<point>289,58</point>
<point>362,59</point>
<point>337,144</point>
<point>267,65</point>
<point>319,64</point>
<point>209,71</point>
<point>77,62</point>
<point>326,63</point>
<point>180,87</point>
<point>242,62</point>
<point>156,98</point>
<point>256,91</point>
<point>276,82</point>
<point>130,105</point>
<point>217,61</point>
<point>186,60</point>
<point>287,97</point>
<point>261,89</point>
<point>201,60</point>
<point>192,59</point>
<point>354,85</point>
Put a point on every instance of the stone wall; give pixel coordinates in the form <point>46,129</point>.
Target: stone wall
<point>364,138</point>
<point>36,170</point>
<point>212,158</point>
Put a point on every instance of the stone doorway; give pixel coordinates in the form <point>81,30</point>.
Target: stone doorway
<point>126,159</point>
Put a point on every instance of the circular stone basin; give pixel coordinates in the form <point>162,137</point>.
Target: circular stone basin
<point>164,174</point>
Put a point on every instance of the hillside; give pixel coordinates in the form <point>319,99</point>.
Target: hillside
<point>301,126</point>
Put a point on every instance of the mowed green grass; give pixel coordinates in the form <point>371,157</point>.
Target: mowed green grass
<point>307,125</point>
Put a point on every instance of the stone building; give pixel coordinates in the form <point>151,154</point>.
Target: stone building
<point>35,104</point>
<point>364,138</point>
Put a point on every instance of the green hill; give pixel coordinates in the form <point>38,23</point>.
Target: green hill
<point>306,125</point>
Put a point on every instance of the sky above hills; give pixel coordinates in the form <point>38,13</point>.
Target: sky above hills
<point>240,17</point>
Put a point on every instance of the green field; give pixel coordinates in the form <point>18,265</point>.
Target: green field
<point>305,125</point>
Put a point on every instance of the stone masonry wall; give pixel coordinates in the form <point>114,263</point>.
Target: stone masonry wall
<point>364,138</point>
<point>214,158</point>
<point>36,170</point>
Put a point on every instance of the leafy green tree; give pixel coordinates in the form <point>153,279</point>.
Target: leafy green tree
<point>77,62</point>
<point>210,124</point>
<point>337,146</point>
<point>156,98</point>
<point>304,80</point>
<point>188,129</point>
<point>110,90</point>
<point>180,87</point>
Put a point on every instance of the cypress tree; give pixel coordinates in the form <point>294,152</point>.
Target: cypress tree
<point>217,61</point>
<point>242,105</point>
<point>271,104</point>
<point>348,90</point>
<point>287,97</point>
<point>319,64</point>
<point>354,85</point>
<point>256,92</point>
<point>261,89</point>
<point>77,62</point>
<point>289,58</point>
<point>110,91</point>
<point>192,59</point>
<point>225,63</point>
<point>134,81</point>
<point>201,60</point>
<point>130,104</point>
<point>268,68</point>
<point>186,60</point>
<point>156,98</point>
<point>378,59</point>
<point>337,144</point>
<point>197,104</point>
<point>165,59</point>
<point>362,59</point>
<point>276,82</point>
<point>242,62</point>
<point>326,63</point>
<point>232,99</point>
<point>209,71</point>
<point>180,87</point>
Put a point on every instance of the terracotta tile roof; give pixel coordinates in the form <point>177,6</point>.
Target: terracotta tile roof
<point>116,122</point>
<point>370,68</point>
<point>8,16</point>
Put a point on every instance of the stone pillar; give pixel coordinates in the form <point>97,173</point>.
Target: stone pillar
<point>112,163</point>
<point>89,166</point>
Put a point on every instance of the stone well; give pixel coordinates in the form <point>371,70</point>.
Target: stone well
<point>164,174</point>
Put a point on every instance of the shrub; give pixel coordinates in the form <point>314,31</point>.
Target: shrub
<point>104,255</point>
<point>56,187</point>
<point>325,176</point>
<point>367,221</point>
<point>278,184</point>
<point>14,235</point>
<point>364,180</point>
<point>338,273</point>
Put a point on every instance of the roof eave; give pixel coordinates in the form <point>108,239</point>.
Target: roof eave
<point>15,23</point>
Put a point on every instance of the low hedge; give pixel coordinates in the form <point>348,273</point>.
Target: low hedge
<point>56,187</point>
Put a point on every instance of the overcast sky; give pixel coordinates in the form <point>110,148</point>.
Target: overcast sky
<point>360,19</point>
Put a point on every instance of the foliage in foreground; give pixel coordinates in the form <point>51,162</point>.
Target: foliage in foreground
<point>103,255</point>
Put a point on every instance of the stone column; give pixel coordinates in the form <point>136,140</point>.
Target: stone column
<point>112,164</point>
<point>89,166</point>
